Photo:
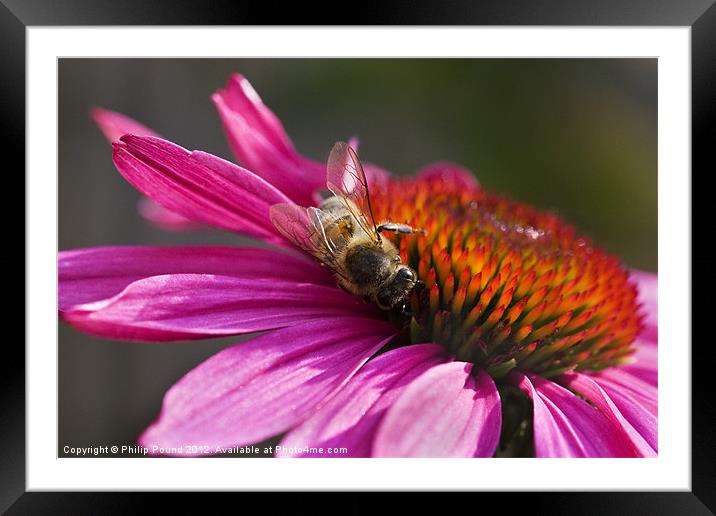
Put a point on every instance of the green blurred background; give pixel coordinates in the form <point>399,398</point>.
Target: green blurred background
<point>575,136</point>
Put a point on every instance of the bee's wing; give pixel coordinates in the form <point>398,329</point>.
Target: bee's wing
<point>304,228</point>
<point>345,178</point>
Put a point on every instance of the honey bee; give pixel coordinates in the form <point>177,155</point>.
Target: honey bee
<point>343,236</point>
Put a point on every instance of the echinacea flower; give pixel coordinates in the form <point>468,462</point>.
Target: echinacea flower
<point>527,339</point>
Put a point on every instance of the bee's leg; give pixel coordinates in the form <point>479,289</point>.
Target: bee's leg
<point>399,228</point>
<point>419,286</point>
<point>404,309</point>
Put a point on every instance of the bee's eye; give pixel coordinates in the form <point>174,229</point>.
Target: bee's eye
<point>406,274</point>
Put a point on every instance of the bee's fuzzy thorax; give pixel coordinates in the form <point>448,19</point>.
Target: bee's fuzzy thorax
<point>507,285</point>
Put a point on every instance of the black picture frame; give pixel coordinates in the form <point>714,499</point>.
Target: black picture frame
<point>700,15</point>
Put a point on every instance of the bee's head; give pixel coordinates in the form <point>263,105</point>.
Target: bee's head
<point>397,288</point>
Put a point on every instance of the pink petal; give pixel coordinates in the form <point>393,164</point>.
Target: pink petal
<point>243,99</point>
<point>627,415</point>
<point>643,372</point>
<point>449,173</point>
<point>115,125</point>
<point>443,413</point>
<point>199,186</point>
<point>647,288</point>
<point>375,175</point>
<point>640,412</point>
<point>97,273</point>
<point>567,426</point>
<point>645,365</point>
<point>259,141</point>
<point>351,417</point>
<point>646,352</point>
<point>194,306</point>
<point>163,218</point>
<point>263,387</point>
<point>624,380</point>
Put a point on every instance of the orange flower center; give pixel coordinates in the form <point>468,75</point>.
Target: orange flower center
<point>507,285</point>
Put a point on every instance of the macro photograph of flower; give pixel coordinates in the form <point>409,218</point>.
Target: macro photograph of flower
<point>358,258</point>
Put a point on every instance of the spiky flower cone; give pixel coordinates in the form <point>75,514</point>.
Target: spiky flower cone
<point>508,286</point>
